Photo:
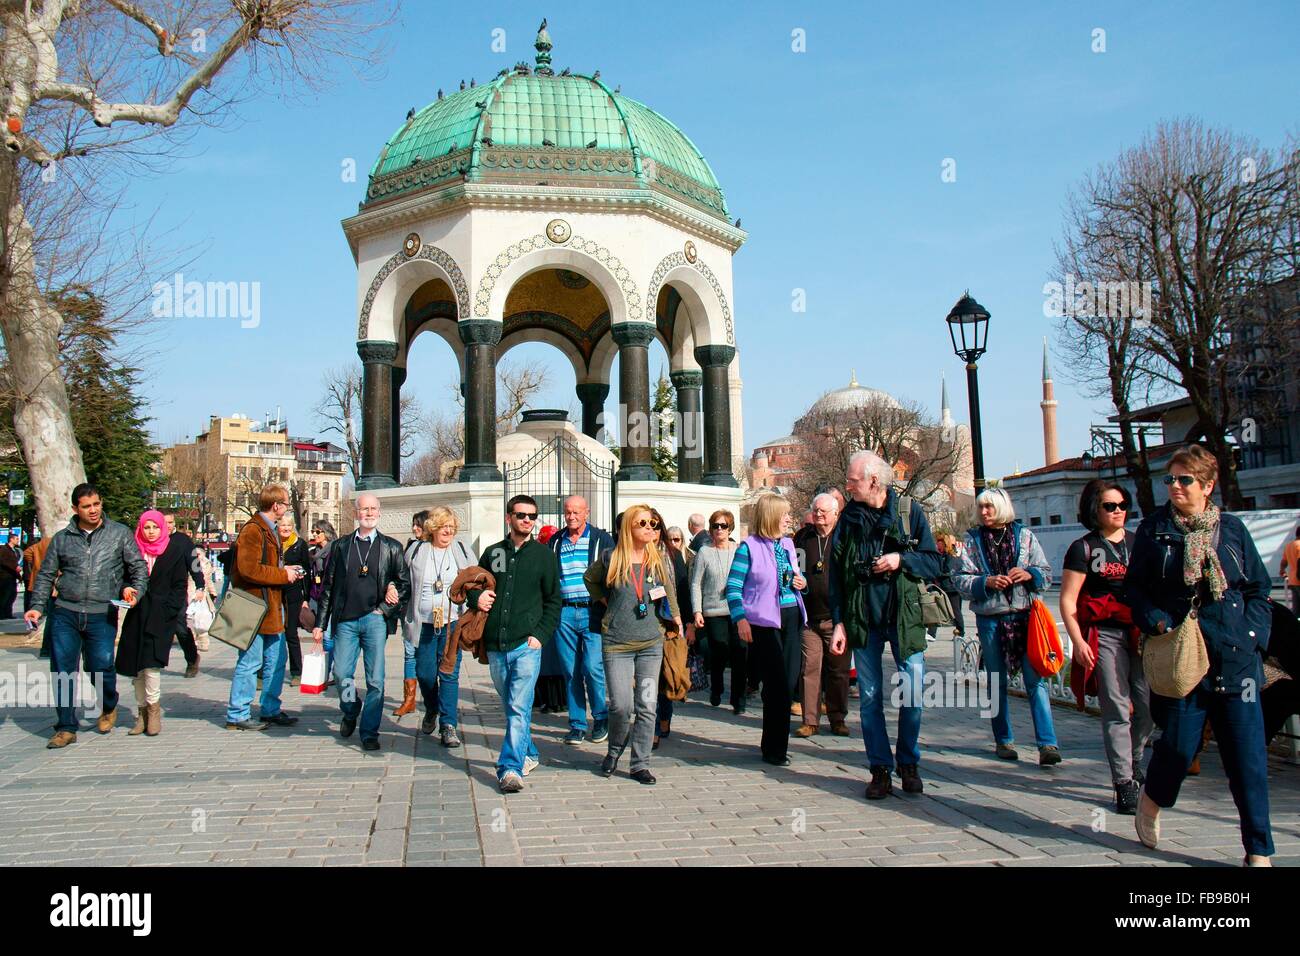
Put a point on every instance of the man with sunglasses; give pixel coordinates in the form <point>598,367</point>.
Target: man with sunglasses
<point>578,640</point>
<point>523,611</point>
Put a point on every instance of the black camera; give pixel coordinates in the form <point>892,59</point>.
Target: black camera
<point>787,578</point>
<point>641,611</point>
<point>862,571</point>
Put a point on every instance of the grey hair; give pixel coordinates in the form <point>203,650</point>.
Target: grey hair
<point>873,464</point>
<point>1004,512</point>
<point>830,498</point>
<point>327,528</point>
<point>699,522</point>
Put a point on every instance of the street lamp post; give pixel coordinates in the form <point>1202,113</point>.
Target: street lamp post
<point>968,326</point>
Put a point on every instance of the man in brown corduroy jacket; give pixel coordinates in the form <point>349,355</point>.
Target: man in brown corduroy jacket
<point>259,569</point>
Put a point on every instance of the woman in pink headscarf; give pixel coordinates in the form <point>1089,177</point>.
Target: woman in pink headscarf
<point>150,625</point>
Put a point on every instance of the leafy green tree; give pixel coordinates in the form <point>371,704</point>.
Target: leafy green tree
<point>664,413</point>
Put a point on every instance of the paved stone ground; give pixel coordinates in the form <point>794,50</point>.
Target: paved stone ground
<point>303,797</point>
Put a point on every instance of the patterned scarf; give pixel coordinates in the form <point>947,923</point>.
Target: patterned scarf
<point>1013,629</point>
<point>1200,560</point>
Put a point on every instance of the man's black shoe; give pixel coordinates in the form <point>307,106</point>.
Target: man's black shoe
<point>348,725</point>
<point>911,778</point>
<point>881,785</point>
<point>370,743</point>
<point>280,720</point>
<point>430,722</point>
<point>644,776</point>
<point>608,765</point>
<point>1126,797</point>
<point>777,761</point>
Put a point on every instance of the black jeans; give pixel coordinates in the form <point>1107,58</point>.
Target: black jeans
<point>778,658</point>
<point>293,610</point>
<point>8,594</point>
<point>720,634</point>
<point>185,637</point>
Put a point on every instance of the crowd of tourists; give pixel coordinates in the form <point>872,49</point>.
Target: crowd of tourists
<point>1169,625</point>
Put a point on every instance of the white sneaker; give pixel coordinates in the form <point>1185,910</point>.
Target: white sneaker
<point>531,764</point>
<point>511,782</point>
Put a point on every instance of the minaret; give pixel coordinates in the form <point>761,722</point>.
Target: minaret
<point>1051,454</point>
<point>945,413</point>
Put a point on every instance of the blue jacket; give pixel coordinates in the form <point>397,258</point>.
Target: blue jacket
<point>1236,628</point>
<point>975,571</point>
<point>598,544</point>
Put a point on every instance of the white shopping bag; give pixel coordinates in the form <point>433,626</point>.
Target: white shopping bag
<point>199,615</point>
<point>314,674</point>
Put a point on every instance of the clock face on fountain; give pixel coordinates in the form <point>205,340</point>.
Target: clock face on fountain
<point>412,244</point>
<point>557,230</point>
<point>690,251</point>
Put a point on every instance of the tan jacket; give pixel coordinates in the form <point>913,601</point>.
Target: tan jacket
<point>259,570</point>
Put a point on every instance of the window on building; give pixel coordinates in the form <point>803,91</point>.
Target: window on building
<point>241,471</point>
<point>1054,519</point>
<point>325,491</point>
<point>313,489</point>
<point>1035,521</point>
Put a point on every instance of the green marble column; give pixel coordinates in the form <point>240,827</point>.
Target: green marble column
<point>377,427</point>
<point>714,361</point>
<point>480,337</point>
<point>633,339</point>
<point>690,437</point>
<point>592,395</point>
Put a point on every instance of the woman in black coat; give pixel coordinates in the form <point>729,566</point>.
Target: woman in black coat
<point>295,595</point>
<point>150,625</point>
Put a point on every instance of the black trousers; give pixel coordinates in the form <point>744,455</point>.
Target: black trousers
<point>8,594</point>
<point>778,658</point>
<point>185,637</point>
<point>293,609</point>
<point>725,645</point>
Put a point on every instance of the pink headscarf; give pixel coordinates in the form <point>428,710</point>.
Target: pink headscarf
<point>159,546</point>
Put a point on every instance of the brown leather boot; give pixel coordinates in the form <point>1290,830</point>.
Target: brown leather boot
<point>141,711</point>
<point>153,720</point>
<point>409,687</point>
<point>806,730</point>
<point>107,722</point>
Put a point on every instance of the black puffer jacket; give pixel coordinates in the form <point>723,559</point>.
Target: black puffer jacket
<point>1236,627</point>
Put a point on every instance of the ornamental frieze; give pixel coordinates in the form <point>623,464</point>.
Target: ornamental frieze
<point>426,251</point>
<point>675,259</point>
<point>487,283</point>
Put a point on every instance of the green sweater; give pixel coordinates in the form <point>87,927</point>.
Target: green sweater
<point>527,594</point>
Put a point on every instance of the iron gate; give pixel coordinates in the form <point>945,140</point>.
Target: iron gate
<point>557,470</point>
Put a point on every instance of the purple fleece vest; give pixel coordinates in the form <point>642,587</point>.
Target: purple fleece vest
<point>761,592</point>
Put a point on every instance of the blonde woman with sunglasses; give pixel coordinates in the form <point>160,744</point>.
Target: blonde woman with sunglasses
<point>636,584</point>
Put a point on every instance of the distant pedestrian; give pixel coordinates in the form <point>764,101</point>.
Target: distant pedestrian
<point>184,636</point>
<point>96,562</point>
<point>823,671</point>
<point>1291,570</point>
<point>9,575</point>
<point>713,623</point>
<point>672,549</point>
<point>698,529</point>
<point>295,553</point>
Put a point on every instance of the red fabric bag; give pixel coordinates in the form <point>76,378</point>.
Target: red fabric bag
<point>1044,651</point>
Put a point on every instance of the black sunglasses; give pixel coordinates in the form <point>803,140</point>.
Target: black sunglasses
<point>1112,506</point>
<point>525,515</point>
<point>1185,480</point>
<point>719,526</point>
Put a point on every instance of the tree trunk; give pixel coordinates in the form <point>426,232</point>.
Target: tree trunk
<point>1137,466</point>
<point>42,416</point>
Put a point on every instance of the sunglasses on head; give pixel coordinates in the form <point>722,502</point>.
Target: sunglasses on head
<point>1112,506</point>
<point>1185,480</point>
<point>650,523</point>
<point>525,515</point>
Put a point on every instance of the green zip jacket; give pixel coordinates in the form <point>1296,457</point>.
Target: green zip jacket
<point>527,595</point>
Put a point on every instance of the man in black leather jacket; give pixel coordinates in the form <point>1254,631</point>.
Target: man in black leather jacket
<point>364,595</point>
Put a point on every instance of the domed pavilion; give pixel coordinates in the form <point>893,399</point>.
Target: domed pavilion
<point>544,206</point>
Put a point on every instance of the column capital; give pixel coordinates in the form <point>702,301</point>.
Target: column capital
<point>632,333</point>
<point>715,355</point>
<point>687,378</point>
<point>373,350</point>
<point>479,331</point>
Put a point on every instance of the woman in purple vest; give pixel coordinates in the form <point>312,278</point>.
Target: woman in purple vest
<point>763,596</point>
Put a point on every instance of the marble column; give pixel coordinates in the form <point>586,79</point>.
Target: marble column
<point>690,444</point>
<point>480,337</point>
<point>377,391</point>
<point>399,379</point>
<point>592,395</point>
<point>714,361</point>
<point>633,339</point>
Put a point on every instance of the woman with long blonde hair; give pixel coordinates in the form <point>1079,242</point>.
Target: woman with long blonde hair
<point>636,583</point>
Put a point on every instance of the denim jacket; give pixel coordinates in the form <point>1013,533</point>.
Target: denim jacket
<point>975,570</point>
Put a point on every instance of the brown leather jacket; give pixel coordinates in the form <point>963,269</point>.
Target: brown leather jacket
<point>259,570</point>
<point>470,624</point>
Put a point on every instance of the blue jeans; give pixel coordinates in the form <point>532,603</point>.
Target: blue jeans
<point>514,674</point>
<point>363,638</point>
<point>408,657</point>
<point>1239,731</point>
<point>574,639</point>
<point>1040,702</point>
<point>76,637</point>
<point>266,653</point>
<point>441,691</point>
<point>872,692</point>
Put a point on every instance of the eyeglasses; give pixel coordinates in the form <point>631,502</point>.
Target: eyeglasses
<point>1185,480</point>
<point>675,540</point>
<point>650,523</point>
<point>719,526</point>
<point>525,515</point>
<point>1110,507</point>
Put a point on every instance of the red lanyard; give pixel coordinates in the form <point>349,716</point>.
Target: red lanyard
<point>639,585</point>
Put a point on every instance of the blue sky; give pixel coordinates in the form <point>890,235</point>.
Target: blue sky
<point>831,157</point>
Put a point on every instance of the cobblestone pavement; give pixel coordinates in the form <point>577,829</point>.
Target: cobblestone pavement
<point>304,797</point>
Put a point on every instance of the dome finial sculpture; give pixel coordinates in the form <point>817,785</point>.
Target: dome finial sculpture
<point>543,47</point>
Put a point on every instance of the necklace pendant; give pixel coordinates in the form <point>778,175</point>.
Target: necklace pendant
<point>437,586</point>
<point>365,569</point>
<point>820,565</point>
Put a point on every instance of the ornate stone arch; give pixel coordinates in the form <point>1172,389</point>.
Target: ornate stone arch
<point>431,253</point>
<point>678,260</point>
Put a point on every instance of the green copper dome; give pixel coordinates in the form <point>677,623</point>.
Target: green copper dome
<point>530,126</point>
